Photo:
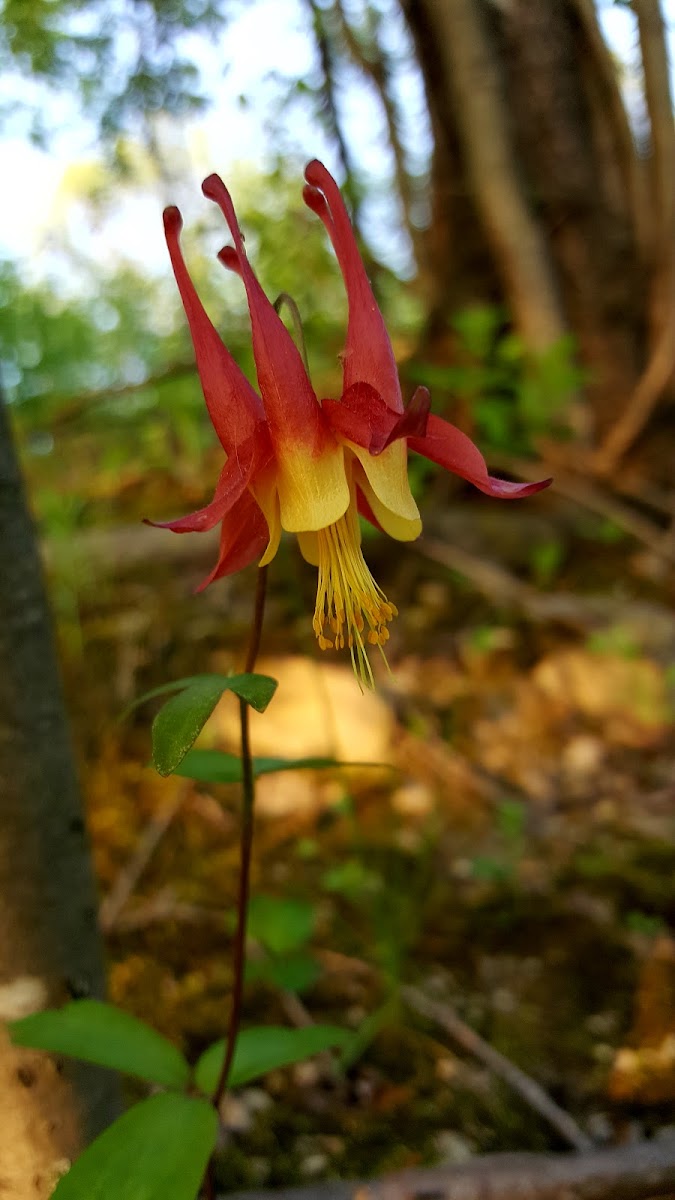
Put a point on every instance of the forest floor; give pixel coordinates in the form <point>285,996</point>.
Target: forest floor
<point>509,849</point>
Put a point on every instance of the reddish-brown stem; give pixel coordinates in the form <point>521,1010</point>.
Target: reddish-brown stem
<point>246,842</point>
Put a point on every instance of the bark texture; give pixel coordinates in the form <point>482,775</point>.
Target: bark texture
<point>543,201</point>
<point>49,943</point>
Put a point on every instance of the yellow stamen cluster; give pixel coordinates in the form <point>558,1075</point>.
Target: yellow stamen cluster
<point>350,607</point>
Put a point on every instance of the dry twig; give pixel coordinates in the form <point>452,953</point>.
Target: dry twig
<point>526,1087</point>
<point>466,1037</point>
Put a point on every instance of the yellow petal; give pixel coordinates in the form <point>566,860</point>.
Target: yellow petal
<point>384,481</point>
<point>309,547</point>
<point>265,492</point>
<point>313,488</point>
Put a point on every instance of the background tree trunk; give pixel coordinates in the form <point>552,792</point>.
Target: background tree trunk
<point>49,944</point>
<point>541,198</point>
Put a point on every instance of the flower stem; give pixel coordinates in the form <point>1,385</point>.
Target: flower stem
<point>284,298</point>
<point>246,842</point>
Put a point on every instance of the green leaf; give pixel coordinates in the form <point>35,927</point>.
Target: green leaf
<point>215,766</point>
<point>157,1151</point>
<point>256,690</point>
<point>280,924</point>
<point>182,718</point>
<point>102,1034</point>
<point>264,1049</point>
<point>292,973</point>
<point>176,685</point>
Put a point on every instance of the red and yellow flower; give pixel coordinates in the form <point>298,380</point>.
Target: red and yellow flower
<point>309,466</point>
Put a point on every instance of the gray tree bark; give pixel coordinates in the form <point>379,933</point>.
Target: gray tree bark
<point>49,943</point>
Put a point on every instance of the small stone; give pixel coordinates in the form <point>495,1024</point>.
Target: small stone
<point>413,800</point>
<point>452,1148</point>
<point>600,1127</point>
<point>503,1000</point>
<point>355,1014</point>
<point>314,1164</point>
<point>307,1074</point>
<point>335,1146</point>
<point>259,1169</point>
<point>257,1099</point>
<point>666,1133</point>
<point>234,1114</point>
<point>462,868</point>
<point>601,1023</point>
<point>446,1069</point>
<point>582,756</point>
<point>604,1054</point>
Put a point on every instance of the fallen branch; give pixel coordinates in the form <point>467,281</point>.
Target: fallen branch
<point>590,496</point>
<point>521,1083</point>
<point>466,1037</point>
<point>583,614</point>
<point>648,392</point>
<point>642,1171</point>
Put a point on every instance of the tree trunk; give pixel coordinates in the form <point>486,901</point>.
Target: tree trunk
<point>471,87</point>
<point>567,150</point>
<point>541,201</point>
<point>49,943</point>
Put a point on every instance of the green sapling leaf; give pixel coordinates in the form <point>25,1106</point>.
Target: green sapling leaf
<point>183,717</point>
<point>264,1049</point>
<point>280,924</point>
<point>158,1150</point>
<point>102,1034</point>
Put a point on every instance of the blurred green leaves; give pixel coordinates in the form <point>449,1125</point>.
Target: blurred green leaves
<point>514,397</point>
<point>107,1036</point>
<point>125,62</point>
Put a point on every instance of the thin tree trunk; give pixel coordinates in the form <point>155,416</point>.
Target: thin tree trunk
<point>475,92</point>
<point>657,377</point>
<point>581,197</point>
<point>49,942</point>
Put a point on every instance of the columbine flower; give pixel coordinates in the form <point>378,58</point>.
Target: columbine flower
<point>309,466</point>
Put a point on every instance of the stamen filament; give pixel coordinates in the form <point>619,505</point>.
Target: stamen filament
<point>350,605</point>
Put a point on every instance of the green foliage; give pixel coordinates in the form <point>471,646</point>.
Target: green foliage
<point>54,346</point>
<point>282,926</point>
<point>124,61</point>
<point>648,925</point>
<point>546,559</point>
<point>514,397</point>
<point>215,766</point>
<point>352,879</point>
<point>181,720</point>
<point>617,640</point>
<point>292,973</point>
<point>102,1034</point>
<point>157,1151</point>
<point>264,1049</point>
<point>510,824</point>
